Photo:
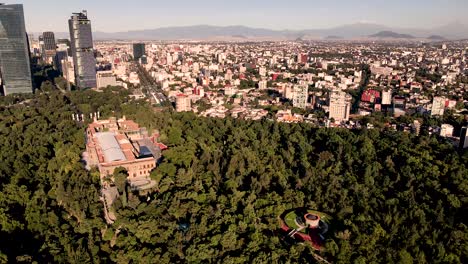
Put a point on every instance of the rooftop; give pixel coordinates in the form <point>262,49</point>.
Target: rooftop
<point>110,147</point>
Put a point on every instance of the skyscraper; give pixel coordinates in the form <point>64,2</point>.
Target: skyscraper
<point>82,50</point>
<point>138,51</point>
<point>48,46</point>
<point>15,69</point>
<point>49,40</point>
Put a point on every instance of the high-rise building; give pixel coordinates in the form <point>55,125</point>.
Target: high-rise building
<point>82,50</point>
<point>300,96</point>
<point>15,69</point>
<point>138,51</point>
<point>169,60</point>
<point>399,106</point>
<point>340,106</point>
<point>63,44</point>
<point>105,78</point>
<point>438,106</point>
<point>302,58</point>
<point>464,138</point>
<point>49,40</point>
<point>59,56</point>
<point>416,127</point>
<point>183,103</point>
<point>288,91</point>
<point>41,45</point>
<point>62,53</point>
<point>143,60</point>
<point>48,46</point>
<point>387,97</point>
<point>68,70</point>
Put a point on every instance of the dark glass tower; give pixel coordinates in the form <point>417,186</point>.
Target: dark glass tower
<point>464,138</point>
<point>49,40</point>
<point>138,50</point>
<point>15,69</point>
<point>81,39</point>
<point>48,45</point>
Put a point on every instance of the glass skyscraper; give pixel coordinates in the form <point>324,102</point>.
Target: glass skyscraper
<point>49,41</point>
<point>48,46</point>
<point>15,66</point>
<point>82,50</point>
<point>138,50</point>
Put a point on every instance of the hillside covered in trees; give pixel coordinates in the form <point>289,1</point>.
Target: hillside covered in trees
<point>222,184</point>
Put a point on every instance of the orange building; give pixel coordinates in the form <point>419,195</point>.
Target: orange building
<point>121,143</point>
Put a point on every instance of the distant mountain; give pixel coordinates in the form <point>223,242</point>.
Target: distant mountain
<point>351,31</point>
<point>200,32</point>
<point>239,36</point>
<point>333,37</point>
<point>391,34</point>
<point>436,37</point>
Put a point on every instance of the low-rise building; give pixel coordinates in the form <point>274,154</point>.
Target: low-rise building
<point>121,143</point>
<point>105,78</point>
<point>446,130</point>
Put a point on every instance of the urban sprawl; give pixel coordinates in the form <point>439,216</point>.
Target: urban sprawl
<point>348,84</point>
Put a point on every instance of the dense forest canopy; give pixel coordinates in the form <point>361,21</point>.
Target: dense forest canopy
<point>222,184</point>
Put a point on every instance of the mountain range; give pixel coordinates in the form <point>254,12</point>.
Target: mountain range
<point>391,34</point>
<point>351,31</point>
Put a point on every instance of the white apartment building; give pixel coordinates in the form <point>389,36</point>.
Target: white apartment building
<point>446,130</point>
<point>300,96</point>
<point>438,106</point>
<point>288,92</point>
<point>68,70</point>
<point>387,97</point>
<point>262,71</point>
<point>340,106</point>
<point>183,103</point>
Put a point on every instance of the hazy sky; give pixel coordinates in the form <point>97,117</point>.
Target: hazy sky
<point>120,15</point>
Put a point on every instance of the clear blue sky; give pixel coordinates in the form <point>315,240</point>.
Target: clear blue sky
<point>123,15</point>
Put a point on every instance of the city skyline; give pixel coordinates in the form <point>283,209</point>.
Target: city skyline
<point>260,14</point>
